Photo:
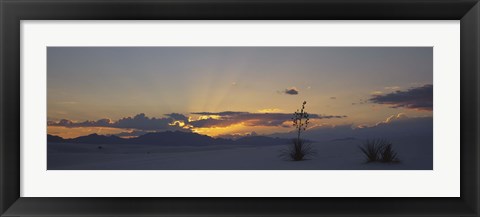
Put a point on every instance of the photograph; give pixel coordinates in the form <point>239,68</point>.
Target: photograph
<point>239,108</point>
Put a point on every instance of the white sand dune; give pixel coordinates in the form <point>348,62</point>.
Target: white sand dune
<point>414,153</point>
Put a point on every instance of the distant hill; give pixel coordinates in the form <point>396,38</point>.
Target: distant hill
<point>169,138</point>
<point>98,139</point>
<point>175,138</point>
<point>52,138</point>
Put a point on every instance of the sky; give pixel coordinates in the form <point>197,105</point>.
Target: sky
<point>217,91</point>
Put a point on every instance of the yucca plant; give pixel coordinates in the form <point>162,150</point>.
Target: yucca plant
<point>371,149</point>
<point>388,154</point>
<point>379,150</point>
<point>299,149</point>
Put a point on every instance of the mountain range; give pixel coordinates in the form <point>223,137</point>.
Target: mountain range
<point>169,138</point>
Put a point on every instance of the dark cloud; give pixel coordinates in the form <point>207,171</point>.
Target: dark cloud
<point>177,117</point>
<point>291,91</point>
<point>143,122</point>
<point>171,121</point>
<point>333,97</point>
<point>420,98</point>
<point>69,123</point>
<point>211,122</point>
<point>140,122</point>
<point>228,118</point>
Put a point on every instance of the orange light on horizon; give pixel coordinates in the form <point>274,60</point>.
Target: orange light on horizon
<point>242,128</point>
<point>239,129</point>
<point>74,132</point>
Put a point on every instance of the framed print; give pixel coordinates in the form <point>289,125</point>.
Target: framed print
<point>239,108</point>
<point>233,118</point>
<point>232,129</point>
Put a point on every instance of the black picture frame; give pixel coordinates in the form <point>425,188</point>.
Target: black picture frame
<point>13,11</point>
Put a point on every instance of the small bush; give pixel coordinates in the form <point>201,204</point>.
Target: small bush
<point>379,150</point>
<point>371,150</point>
<point>388,154</point>
<point>298,150</point>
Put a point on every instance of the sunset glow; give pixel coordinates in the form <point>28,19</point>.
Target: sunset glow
<point>240,108</point>
<point>231,90</point>
<point>68,133</point>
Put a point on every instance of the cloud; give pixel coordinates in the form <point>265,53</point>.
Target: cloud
<point>291,91</point>
<point>224,113</point>
<point>228,118</point>
<point>333,97</point>
<point>392,88</point>
<point>177,117</point>
<point>180,122</point>
<point>399,127</point>
<point>143,122</point>
<point>139,122</point>
<point>69,123</point>
<point>420,98</point>
<point>392,118</point>
<point>269,110</point>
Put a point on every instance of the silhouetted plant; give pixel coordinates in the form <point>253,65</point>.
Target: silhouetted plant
<point>371,149</point>
<point>388,154</point>
<point>298,120</point>
<point>299,149</point>
<point>379,150</point>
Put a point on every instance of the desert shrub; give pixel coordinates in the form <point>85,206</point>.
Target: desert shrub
<point>371,150</point>
<point>388,154</point>
<point>298,150</point>
<point>379,150</point>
